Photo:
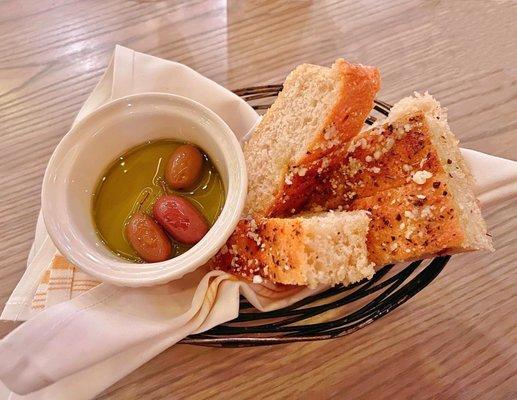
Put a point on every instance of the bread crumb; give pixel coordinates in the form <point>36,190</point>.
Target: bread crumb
<point>409,214</point>
<point>409,233</point>
<point>427,211</point>
<point>423,161</point>
<point>353,166</point>
<point>419,177</point>
<point>233,263</point>
<point>289,179</point>
<point>389,143</point>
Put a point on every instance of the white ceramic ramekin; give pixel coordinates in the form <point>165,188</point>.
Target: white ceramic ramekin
<point>95,142</point>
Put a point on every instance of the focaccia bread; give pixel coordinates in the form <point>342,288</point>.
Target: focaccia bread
<point>325,248</point>
<point>319,111</point>
<point>409,173</point>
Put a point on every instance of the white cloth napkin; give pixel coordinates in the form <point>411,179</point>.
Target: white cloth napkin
<point>76,349</point>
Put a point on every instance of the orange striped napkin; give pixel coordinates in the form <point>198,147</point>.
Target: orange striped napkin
<point>60,282</point>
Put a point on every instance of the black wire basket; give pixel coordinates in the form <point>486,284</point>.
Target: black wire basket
<point>335,312</point>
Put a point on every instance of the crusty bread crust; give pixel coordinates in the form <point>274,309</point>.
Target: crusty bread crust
<point>412,222</point>
<point>358,85</point>
<point>410,175</point>
<point>325,248</point>
<point>352,89</point>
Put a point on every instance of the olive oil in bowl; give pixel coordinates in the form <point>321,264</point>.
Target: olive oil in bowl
<point>133,183</point>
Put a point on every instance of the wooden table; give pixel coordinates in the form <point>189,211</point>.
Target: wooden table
<point>456,340</point>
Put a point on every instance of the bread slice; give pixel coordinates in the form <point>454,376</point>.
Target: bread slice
<point>325,248</point>
<point>318,111</point>
<point>409,173</point>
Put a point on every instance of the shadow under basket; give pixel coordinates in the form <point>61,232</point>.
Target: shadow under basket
<point>335,312</point>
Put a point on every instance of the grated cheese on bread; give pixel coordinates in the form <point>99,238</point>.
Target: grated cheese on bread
<point>325,248</point>
<point>316,115</point>
<point>409,173</point>
<point>318,111</point>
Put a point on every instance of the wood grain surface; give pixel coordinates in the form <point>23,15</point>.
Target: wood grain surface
<point>456,340</point>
